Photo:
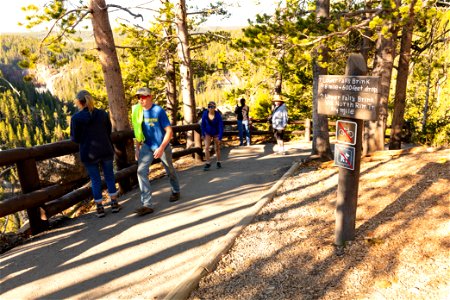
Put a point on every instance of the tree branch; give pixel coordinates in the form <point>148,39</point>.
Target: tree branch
<point>358,12</point>
<point>127,10</point>
<point>64,30</point>
<point>343,33</point>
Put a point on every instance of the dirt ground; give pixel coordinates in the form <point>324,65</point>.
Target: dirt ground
<point>401,249</point>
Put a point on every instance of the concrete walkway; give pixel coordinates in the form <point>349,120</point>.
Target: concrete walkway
<point>123,256</point>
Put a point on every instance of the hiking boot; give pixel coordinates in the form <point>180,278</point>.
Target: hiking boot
<point>174,197</point>
<point>143,210</point>
<point>218,165</point>
<point>100,211</point>
<point>115,206</point>
<point>206,167</point>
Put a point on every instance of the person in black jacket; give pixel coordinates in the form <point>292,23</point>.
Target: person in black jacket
<point>90,127</point>
<point>243,122</point>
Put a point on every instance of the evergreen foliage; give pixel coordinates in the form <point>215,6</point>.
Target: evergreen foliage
<point>227,66</point>
<point>28,115</point>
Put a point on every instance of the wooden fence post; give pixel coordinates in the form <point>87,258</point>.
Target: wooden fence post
<point>29,182</point>
<point>197,144</point>
<point>307,130</point>
<point>121,158</point>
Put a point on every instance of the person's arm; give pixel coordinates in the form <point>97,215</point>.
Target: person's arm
<point>220,126</point>
<point>108,124</point>
<point>164,122</point>
<point>73,131</point>
<point>137,149</point>
<point>203,125</point>
<point>167,137</point>
<point>285,118</point>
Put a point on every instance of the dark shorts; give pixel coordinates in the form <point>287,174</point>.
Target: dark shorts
<point>278,134</point>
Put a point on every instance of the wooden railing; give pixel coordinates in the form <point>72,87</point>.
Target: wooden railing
<point>43,202</point>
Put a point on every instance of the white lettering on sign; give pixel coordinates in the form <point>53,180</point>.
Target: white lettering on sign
<point>369,89</point>
<point>348,96</point>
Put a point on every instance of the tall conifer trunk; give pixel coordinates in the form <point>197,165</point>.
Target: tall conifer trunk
<point>402,80</point>
<point>384,62</point>
<point>114,83</point>
<point>187,86</point>
<point>110,65</point>
<point>171,85</point>
<point>321,138</point>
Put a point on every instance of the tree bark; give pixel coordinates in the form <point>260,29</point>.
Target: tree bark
<point>384,62</point>
<point>187,87</point>
<point>171,84</point>
<point>321,138</point>
<point>171,90</point>
<point>425,105</point>
<point>104,40</point>
<point>278,83</point>
<point>110,65</point>
<point>402,81</point>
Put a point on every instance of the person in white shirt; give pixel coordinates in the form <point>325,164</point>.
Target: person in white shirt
<point>279,121</point>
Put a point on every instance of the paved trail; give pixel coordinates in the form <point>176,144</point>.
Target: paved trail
<point>123,256</point>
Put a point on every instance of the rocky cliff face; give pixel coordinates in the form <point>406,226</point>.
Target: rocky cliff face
<point>45,78</point>
<point>61,169</point>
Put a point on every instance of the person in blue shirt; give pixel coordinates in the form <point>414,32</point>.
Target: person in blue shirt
<point>90,127</point>
<point>152,132</point>
<point>212,130</point>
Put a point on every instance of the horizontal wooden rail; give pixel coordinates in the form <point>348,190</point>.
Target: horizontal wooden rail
<point>44,202</point>
<point>59,197</point>
<point>42,152</point>
<point>35,198</point>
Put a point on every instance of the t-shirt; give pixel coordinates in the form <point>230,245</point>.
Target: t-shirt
<point>242,112</point>
<point>155,120</point>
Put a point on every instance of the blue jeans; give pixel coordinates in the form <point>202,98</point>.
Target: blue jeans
<point>96,181</point>
<point>144,162</point>
<point>244,130</point>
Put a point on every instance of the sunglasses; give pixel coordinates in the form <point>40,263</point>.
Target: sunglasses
<point>211,106</point>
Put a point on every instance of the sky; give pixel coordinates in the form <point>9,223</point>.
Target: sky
<point>11,13</point>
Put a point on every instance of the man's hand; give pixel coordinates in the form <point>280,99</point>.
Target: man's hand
<point>158,152</point>
<point>137,149</point>
<point>136,154</point>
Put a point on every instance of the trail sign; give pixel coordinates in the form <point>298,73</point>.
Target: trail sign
<point>344,156</point>
<point>346,132</point>
<point>348,96</point>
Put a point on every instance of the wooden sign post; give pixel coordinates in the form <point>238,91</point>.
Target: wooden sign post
<point>355,98</point>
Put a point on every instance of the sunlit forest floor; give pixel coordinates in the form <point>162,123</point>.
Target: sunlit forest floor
<point>401,249</point>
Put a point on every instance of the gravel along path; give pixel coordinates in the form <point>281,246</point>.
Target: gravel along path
<point>401,250</point>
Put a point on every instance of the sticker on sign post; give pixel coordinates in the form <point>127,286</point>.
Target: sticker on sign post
<point>346,132</point>
<point>344,156</point>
